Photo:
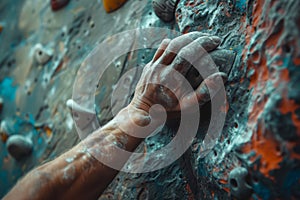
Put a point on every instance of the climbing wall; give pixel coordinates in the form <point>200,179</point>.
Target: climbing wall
<point>258,153</point>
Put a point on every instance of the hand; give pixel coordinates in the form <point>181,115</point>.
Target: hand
<point>163,80</point>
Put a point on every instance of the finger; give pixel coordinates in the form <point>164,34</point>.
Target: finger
<point>194,51</point>
<point>206,91</point>
<point>194,77</point>
<point>220,59</point>
<point>177,44</point>
<point>164,44</point>
<point>202,68</point>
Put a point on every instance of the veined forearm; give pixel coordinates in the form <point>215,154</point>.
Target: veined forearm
<point>78,173</point>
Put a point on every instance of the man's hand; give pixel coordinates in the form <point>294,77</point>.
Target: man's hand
<point>163,80</point>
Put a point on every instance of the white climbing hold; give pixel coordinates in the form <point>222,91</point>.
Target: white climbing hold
<point>41,54</point>
<point>85,119</point>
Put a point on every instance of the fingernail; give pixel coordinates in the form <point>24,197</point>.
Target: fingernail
<point>216,39</point>
<point>220,75</point>
<point>224,77</point>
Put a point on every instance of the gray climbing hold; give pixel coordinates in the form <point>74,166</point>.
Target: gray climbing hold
<point>19,147</point>
<point>41,54</point>
<point>165,9</point>
<point>223,60</point>
<point>239,187</point>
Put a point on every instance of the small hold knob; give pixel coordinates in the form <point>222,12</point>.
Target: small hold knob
<point>19,147</point>
<point>239,187</point>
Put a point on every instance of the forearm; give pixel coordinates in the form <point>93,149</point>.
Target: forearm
<point>77,174</point>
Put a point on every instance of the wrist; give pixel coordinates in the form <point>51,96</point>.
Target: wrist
<point>132,115</point>
<point>136,122</point>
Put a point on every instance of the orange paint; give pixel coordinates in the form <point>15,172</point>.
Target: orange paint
<point>48,131</point>
<point>190,193</point>
<point>226,189</point>
<point>256,57</point>
<point>262,141</point>
<point>296,61</point>
<point>273,40</point>
<point>289,106</point>
<point>222,181</point>
<point>261,72</point>
<point>212,193</point>
<point>111,5</point>
<point>266,147</point>
<point>58,68</point>
<point>3,137</point>
<point>284,76</point>
<point>257,10</point>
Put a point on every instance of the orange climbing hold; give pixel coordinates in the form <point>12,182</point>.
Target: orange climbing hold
<point>111,5</point>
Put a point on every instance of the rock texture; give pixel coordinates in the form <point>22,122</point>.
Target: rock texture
<point>258,153</point>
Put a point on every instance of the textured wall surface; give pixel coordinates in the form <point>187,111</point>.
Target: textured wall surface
<point>258,153</point>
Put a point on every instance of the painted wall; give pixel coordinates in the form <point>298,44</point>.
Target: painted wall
<point>258,153</point>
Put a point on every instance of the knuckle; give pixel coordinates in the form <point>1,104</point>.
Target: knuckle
<point>166,41</point>
<point>194,35</point>
<point>179,60</point>
<point>173,46</point>
<point>184,53</point>
<point>202,41</point>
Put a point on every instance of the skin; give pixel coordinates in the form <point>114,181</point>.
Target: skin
<point>77,174</point>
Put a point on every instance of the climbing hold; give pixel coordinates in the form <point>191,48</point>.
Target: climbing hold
<point>18,146</point>
<point>5,127</point>
<point>3,131</point>
<point>239,187</point>
<point>222,58</point>
<point>1,28</point>
<point>58,4</point>
<point>111,5</point>
<point>41,54</point>
<point>86,120</point>
<point>165,9</point>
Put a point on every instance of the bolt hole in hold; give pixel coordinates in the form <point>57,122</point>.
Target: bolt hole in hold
<point>76,116</point>
<point>215,153</point>
<point>92,24</point>
<point>233,183</point>
<point>42,55</point>
<point>89,18</point>
<point>287,48</point>
<point>236,125</point>
<point>255,179</point>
